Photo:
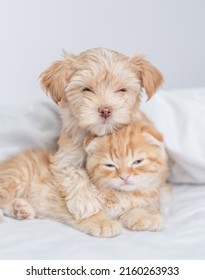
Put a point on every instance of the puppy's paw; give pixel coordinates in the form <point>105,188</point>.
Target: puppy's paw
<point>86,203</point>
<point>152,222</point>
<point>106,228</point>
<point>23,210</point>
<point>81,209</point>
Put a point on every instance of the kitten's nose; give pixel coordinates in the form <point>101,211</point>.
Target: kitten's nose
<point>124,177</point>
<point>105,111</point>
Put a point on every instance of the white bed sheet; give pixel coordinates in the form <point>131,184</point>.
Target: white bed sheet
<point>183,238</point>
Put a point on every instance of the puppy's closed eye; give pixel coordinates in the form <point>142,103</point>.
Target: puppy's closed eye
<point>122,90</point>
<point>87,89</point>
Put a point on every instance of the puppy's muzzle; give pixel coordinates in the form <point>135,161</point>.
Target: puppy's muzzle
<point>105,111</point>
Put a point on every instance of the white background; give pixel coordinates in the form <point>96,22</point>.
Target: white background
<point>34,32</point>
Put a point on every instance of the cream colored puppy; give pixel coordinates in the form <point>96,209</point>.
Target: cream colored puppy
<point>98,92</point>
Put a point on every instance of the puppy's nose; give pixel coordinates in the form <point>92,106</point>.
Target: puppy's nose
<point>105,111</point>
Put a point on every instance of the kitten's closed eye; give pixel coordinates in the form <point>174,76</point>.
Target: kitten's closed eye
<point>111,166</point>
<point>138,161</point>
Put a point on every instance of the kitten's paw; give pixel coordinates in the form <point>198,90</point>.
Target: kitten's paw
<point>105,228</point>
<point>152,222</point>
<point>23,210</point>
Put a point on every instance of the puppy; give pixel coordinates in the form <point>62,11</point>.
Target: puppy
<point>98,92</point>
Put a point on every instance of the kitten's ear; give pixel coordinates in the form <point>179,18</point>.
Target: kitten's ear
<point>154,136</point>
<point>150,77</point>
<point>54,79</point>
<point>90,143</point>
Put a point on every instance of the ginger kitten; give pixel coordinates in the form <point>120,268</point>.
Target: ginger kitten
<point>128,168</point>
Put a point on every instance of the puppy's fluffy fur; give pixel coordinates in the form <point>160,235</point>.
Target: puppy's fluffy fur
<point>80,85</point>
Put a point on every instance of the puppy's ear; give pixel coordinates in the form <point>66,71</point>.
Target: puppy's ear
<point>150,77</point>
<point>90,143</point>
<point>54,79</point>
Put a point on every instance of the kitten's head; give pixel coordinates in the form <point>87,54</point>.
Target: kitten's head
<point>132,158</point>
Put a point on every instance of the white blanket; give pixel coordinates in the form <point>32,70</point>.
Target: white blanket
<point>180,116</point>
<point>183,237</point>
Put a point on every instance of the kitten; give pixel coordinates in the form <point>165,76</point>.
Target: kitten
<point>128,167</point>
<point>31,190</point>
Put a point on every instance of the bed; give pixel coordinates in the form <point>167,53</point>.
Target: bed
<point>180,116</point>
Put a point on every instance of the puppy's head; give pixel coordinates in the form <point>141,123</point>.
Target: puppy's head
<point>100,88</point>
